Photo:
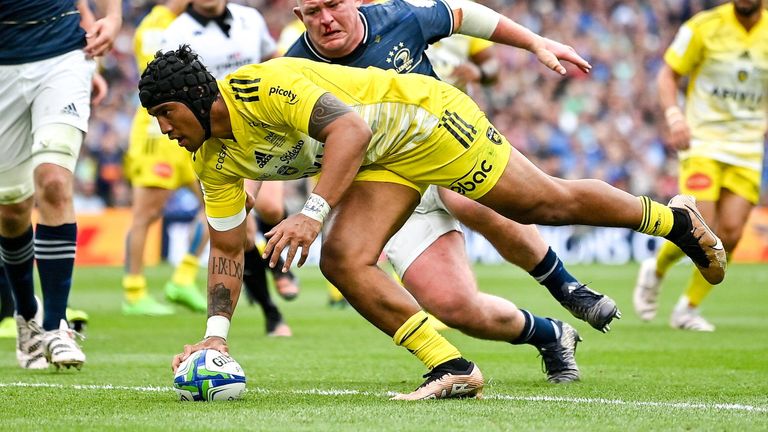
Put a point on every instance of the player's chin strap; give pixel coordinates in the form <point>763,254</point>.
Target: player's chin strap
<point>477,20</point>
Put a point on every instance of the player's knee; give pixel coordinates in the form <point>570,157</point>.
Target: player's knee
<point>54,186</point>
<point>455,311</point>
<point>15,218</point>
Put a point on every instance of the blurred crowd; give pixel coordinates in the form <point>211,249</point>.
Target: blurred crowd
<point>604,125</point>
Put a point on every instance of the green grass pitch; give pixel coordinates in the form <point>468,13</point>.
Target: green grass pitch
<point>337,372</point>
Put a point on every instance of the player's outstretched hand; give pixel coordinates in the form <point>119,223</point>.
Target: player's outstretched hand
<point>552,51</point>
<point>296,231</point>
<point>101,36</point>
<point>213,342</point>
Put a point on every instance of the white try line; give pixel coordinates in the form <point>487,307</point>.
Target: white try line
<point>342,392</point>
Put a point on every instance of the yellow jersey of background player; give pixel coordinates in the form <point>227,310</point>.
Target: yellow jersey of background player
<point>727,94</point>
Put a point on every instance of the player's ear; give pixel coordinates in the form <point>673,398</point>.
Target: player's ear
<point>297,12</point>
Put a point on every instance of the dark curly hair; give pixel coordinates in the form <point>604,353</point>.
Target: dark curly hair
<point>179,76</point>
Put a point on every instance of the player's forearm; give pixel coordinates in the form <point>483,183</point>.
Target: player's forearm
<point>111,8</point>
<point>667,82</point>
<point>225,271</point>
<point>345,146</point>
<point>86,15</point>
<point>476,20</point>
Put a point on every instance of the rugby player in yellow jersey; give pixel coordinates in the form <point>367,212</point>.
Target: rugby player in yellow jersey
<point>156,170</point>
<point>720,138</point>
<point>380,139</point>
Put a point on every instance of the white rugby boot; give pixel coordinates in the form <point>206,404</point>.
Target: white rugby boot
<point>685,317</point>
<point>61,349</point>
<point>29,340</point>
<point>645,297</point>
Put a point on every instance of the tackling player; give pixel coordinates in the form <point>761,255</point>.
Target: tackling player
<point>395,35</point>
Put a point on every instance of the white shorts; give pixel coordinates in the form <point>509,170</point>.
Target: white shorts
<point>428,222</point>
<point>51,91</point>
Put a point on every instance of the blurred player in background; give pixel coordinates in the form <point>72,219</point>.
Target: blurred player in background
<point>155,171</point>
<point>394,35</point>
<point>46,71</point>
<point>228,36</point>
<point>720,137</point>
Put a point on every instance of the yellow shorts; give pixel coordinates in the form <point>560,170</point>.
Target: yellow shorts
<point>703,178</point>
<point>154,160</point>
<point>465,154</point>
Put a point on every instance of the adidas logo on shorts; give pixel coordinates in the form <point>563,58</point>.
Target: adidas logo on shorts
<point>71,110</point>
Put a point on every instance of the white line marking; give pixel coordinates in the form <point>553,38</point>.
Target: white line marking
<point>343,392</point>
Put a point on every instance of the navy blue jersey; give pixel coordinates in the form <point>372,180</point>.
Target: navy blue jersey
<point>32,30</point>
<point>396,35</point>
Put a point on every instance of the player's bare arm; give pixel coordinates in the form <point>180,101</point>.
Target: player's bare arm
<point>476,20</point>
<point>103,32</point>
<point>667,82</point>
<point>346,136</point>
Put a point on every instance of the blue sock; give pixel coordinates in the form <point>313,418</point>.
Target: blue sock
<point>19,258</point>
<point>537,330</point>
<point>197,237</point>
<point>55,254</point>
<point>551,273</point>
<point>6,296</point>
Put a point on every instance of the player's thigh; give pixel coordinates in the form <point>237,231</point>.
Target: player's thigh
<point>419,232</point>
<point>148,203</point>
<point>16,184</point>
<point>440,276</point>
<point>269,201</point>
<point>366,217</point>
<point>61,100</point>
<point>523,191</point>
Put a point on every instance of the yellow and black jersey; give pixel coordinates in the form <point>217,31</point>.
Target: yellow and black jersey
<point>270,106</point>
<point>727,94</point>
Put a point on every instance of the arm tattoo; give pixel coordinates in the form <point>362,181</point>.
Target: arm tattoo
<point>219,301</point>
<point>227,267</point>
<point>327,109</point>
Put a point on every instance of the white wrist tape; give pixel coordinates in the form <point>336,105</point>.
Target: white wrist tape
<point>673,115</point>
<point>217,326</point>
<point>477,20</point>
<point>316,208</point>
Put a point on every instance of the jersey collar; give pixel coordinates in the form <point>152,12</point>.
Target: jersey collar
<point>224,21</point>
<point>342,60</point>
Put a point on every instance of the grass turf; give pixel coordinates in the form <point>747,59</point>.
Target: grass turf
<point>337,372</point>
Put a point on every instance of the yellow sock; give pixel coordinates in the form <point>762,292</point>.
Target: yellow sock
<point>657,218</point>
<point>698,288</point>
<point>419,337</point>
<point>668,255</point>
<point>134,287</point>
<point>333,293</point>
<point>186,272</point>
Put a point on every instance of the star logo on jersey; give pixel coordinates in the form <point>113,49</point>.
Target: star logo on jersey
<point>400,58</point>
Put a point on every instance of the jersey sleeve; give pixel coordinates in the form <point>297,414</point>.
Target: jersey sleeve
<point>435,18</point>
<point>224,202</point>
<point>685,52</point>
<point>286,96</point>
<point>148,37</point>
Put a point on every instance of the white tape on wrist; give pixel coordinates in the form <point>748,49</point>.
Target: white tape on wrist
<point>673,115</point>
<point>217,326</point>
<point>316,208</point>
